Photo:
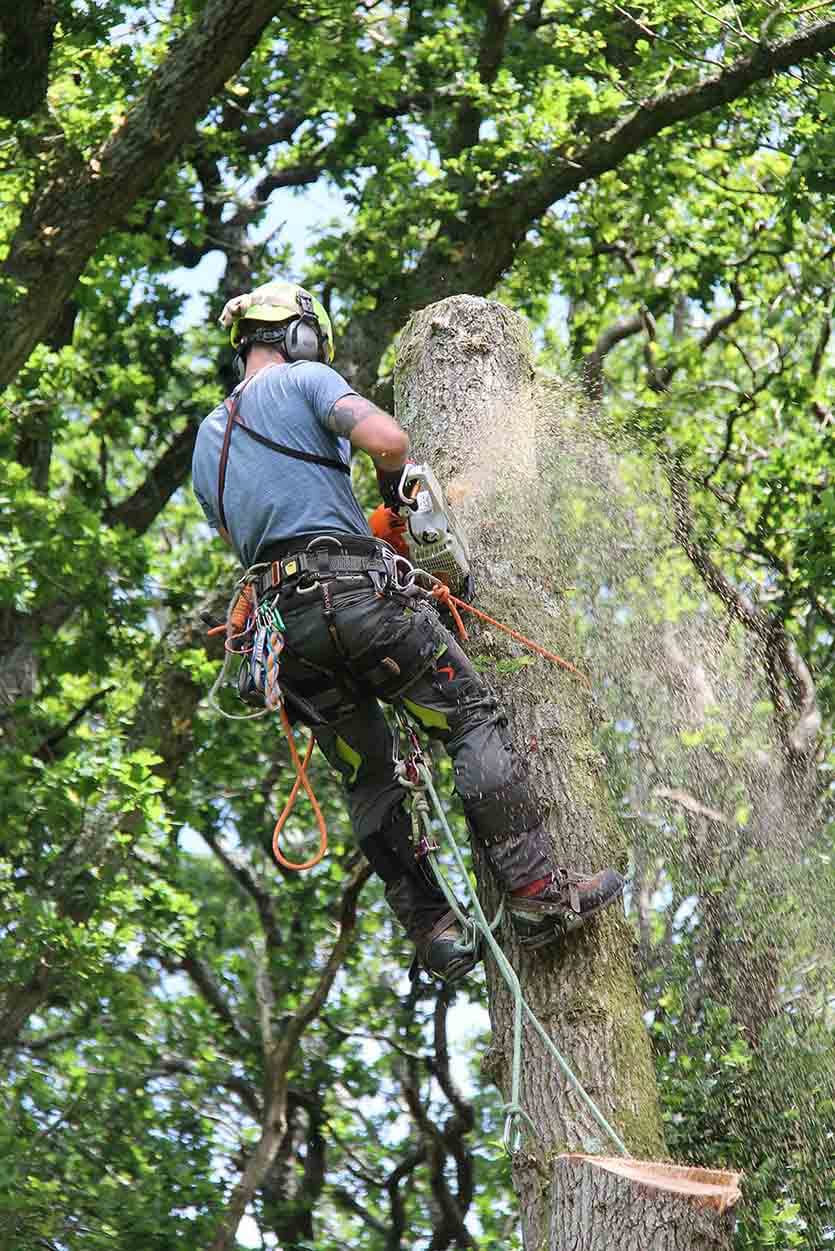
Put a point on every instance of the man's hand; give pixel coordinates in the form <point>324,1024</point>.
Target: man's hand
<point>388,480</point>
<point>388,525</point>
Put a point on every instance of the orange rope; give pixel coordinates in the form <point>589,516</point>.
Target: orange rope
<point>301,780</point>
<point>444,596</point>
<point>237,617</point>
<point>233,629</point>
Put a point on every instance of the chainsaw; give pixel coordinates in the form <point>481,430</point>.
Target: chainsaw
<point>434,540</point>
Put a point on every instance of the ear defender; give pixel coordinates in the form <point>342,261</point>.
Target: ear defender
<point>302,341</point>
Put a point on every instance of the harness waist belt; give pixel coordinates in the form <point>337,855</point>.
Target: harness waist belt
<point>338,542</point>
<point>318,564</point>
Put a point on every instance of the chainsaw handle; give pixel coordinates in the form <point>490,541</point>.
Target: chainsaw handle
<point>408,497</point>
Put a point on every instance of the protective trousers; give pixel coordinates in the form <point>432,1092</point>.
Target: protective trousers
<point>349,646</point>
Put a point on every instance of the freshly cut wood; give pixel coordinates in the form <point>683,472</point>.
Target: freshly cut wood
<point>671,1207</point>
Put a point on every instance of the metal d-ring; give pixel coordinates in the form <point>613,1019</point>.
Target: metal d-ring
<point>324,538</point>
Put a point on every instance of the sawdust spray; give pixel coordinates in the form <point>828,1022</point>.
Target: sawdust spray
<point>729,846</point>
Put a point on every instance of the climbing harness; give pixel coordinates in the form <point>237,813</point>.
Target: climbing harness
<point>415,777</point>
<point>255,632</point>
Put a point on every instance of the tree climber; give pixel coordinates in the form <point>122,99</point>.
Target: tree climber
<point>279,492</point>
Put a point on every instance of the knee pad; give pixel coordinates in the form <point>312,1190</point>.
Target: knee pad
<point>510,809</point>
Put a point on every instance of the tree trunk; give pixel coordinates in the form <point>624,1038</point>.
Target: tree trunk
<point>465,389</point>
<point>669,1208</point>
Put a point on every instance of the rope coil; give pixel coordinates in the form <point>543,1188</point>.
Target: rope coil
<point>243,615</point>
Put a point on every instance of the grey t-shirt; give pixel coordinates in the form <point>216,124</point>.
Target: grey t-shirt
<point>268,496</point>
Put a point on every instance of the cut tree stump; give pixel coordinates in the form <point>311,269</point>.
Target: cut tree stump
<point>671,1207</point>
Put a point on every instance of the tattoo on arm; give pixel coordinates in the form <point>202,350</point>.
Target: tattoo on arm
<point>347,412</point>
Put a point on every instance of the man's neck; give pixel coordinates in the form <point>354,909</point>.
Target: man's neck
<point>259,356</point>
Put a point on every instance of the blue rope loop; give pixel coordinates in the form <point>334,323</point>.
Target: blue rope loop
<point>415,776</point>
<point>512,1137</point>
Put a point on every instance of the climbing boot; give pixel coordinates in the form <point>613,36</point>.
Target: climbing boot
<point>545,911</point>
<point>443,950</point>
<point>545,902</point>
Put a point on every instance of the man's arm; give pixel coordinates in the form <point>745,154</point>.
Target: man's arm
<point>371,430</point>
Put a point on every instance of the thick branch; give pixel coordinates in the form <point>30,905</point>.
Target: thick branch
<point>609,338</point>
<point>338,153</point>
<point>608,150</point>
<point>278,1057</point>
<point>76,201</point>
<point>139,510</point>
<point>266,136</point>
<point>26,36</point>
<point>475,249</point>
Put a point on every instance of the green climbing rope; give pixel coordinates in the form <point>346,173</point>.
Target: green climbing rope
<point>416,778</point>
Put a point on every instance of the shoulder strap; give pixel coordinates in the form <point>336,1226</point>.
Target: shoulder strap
<point>234,420</point>
<point>224,459</point>
<point>312,457</point>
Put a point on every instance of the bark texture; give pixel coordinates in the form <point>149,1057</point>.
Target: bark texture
<point>686,1210</point>
<point>465,390</point>
<point>27,33</point>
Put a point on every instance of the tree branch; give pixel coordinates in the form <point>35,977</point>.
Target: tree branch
<point>609,338</point>
<point>278,1056</point>
<point>780,652</point>
<point>398,1208</point>
<point>688,801</point>
<point>347,921</point>
<point>449,1224</point>
<point>214,997</point>
<point>345,1199</point>
<point>610,148</point>
<point>169,1066</point>
<point>77,200</point>
<point>241,874</point>
<point>44,750</point>
<point>27,33</point>
<point>258,139</point>
<point>140,509</point>
<point>490,54</point>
